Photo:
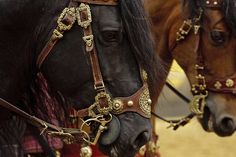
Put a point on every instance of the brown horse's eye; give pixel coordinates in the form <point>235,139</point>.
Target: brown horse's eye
<point>218,37</point>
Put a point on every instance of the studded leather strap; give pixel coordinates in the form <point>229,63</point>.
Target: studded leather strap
<point>68,20</point>
<point>224,85</point>
<point>139,102</point>
<point>212,3</point>
<point>85,17</point>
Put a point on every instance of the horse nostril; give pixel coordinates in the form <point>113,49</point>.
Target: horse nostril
<point>141,139</point>
<point>227,125</point>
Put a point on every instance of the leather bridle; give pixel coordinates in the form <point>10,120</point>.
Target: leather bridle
<point>201,88</point>
<point>104,106</point>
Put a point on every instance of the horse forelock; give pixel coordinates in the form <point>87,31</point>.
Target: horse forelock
<point>138,30</point>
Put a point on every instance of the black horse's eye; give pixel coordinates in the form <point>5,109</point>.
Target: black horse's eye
<point>218,37</point>
<point>111,36</point>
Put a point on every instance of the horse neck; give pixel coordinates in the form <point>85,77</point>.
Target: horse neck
<point>164,16</point>
<point>160,7</point>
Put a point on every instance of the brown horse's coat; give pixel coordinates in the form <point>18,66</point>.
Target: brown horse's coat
<point>219,59</point>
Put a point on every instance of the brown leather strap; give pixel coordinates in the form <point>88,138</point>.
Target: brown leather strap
<point>65,19</point>
<point>98,2</point>
<point>223,85</point>
<point>91,50</point>
<point>137,102</point>
<point>41,124</point>
<point>46,50</point>
<point>68,20</point>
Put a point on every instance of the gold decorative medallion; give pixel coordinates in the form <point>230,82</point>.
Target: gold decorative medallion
<point>106,99</point>
<point>62,26</point>
<point>217,85</point>
<point>229,83</point>
<point>144,102</point>
<point>88,40</point>
<point>117,106</point>
<point>130,103</point>
<point>184,30</point>
<point>86,151</point>
<point>197,104</point>
<point>84,22</point>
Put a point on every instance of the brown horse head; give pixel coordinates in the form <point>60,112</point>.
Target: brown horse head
<point>200,36</point>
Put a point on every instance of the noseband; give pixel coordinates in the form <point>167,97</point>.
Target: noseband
<point>104,106</point>
<point>202,86</point>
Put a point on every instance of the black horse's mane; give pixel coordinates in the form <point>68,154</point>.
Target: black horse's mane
<point>137,25</point>
<point>228,8</point>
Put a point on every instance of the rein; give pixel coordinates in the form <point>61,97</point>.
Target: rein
<point>69,134</point>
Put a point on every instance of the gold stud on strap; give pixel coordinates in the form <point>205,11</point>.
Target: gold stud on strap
<point>86,151</point>
<point>229,83</point>
<point>58,154</point>
<point>217,85</point>
<point>130,103</point>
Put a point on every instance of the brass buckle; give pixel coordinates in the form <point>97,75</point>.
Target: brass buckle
<point>67,138</point>
<point>198,103</point>
<point>67,11</point>
<point>184,30</point>
<point>99,87</point>
<point>84,22</point>
<point>103,110</point>
<point>102,127</point>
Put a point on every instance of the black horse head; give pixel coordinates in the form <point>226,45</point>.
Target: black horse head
<point>121,39</point>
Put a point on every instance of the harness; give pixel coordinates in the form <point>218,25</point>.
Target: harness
<point>201,87</point>
<point>101,110</point>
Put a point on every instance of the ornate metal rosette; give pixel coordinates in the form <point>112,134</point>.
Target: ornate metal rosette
<point>86,151</point>
<point>229,83</point>
<point>62,26</point>
<point>103,96</point>
<point>84,22</point>
<point>145,102</point>
<point>117,106</point>
<point>197,104</point>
